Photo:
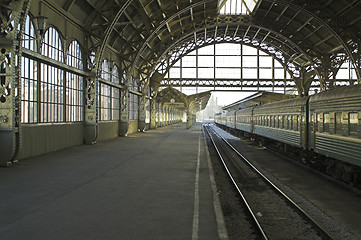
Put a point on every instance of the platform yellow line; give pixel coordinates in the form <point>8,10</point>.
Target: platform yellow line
<point>196,194</point>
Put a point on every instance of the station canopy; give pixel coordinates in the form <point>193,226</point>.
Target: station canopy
<point>312,39</point>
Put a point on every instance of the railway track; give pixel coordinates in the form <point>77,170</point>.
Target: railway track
<point>271,213</point>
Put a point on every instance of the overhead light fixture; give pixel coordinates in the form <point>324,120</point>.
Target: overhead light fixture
<point>40,23</point>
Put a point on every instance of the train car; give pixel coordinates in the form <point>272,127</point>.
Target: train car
<point>244,120</point>
<point>218,118</point>
<point>335,124</point>
<point>231,119</point>
<point>283,121</point>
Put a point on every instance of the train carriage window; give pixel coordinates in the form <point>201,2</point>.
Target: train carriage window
<point>290,122</point>
<point>313,122</point>
<point>338,123</point>
<point>352,124</point>
<point>295,122</point>
<point>326,122</point>
<point>318,123</point>
<point>298,123</point>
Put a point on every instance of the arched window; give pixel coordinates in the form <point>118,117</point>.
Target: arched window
<point>29,35</point>
<point>52,46</point>
<point>115,93</point>
<point>124,78</point>
<point>230,65</point>
<point>74,84</point>
<point>29,77</point>
<point>52,79</point>
<point>74,55</point>
<point>109,95</point>
<point>105,92</point>
<point>147,107</point>
<point>133,100</point>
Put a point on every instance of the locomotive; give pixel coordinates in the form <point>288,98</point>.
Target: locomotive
<point>323,130</point>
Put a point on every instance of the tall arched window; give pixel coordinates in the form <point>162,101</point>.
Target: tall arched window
<point>147,106</point>
<point>133,100</point>
<point>74,84</point>
<point>29,35</point>
<point>115,93</point>
<point>52,79</point>
<point>105,92</point>
<point>109,95</point>
<point>29,77</point>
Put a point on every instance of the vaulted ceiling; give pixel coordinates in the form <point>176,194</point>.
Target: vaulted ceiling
<point>312,36</point>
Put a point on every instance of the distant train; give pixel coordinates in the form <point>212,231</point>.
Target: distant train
<point>325,129</point>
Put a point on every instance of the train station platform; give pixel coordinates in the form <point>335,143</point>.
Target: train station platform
<point>152,185</point>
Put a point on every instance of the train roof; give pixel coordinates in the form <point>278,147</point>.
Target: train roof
<point>258,98</point>
<point>338,93</point>
<point>299,101</point>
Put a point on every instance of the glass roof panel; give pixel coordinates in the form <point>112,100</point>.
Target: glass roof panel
<point>236,7</point>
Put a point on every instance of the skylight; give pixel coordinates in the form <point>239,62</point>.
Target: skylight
<point>236,7</point>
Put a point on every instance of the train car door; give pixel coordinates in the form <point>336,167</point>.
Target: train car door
<point>312,131</point>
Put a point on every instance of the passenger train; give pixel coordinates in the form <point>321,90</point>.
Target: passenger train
<point>324,129</point>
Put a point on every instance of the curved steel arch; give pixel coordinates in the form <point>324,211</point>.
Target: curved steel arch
<point>174,60</point>
<point>160,27</point>
<point>192,31</point>
<point>189,35</point>
<point>329,28</point>
<point>154,32</point>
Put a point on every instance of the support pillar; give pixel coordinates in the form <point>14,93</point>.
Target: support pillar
<point>141,114</point>
<point>90,119</point>
<point>160,115</point>
<point>190,119</point>
<point>167,116</point>
<point>124,115</point>
<point>164,114</point>
<point>153,114</point>
<point>10,70</point>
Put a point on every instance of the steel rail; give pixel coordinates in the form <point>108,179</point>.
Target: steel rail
<point>264,236</point>
<point>297,207</point>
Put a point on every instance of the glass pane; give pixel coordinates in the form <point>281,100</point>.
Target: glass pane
<point>228,61</point>
<point>189,61</point>
<point>249,61</point>
<point>208,50</point>
<point>206,73</point>
<point>205,61</point>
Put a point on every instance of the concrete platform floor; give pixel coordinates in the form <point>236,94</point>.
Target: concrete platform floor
<point>152,185</point>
